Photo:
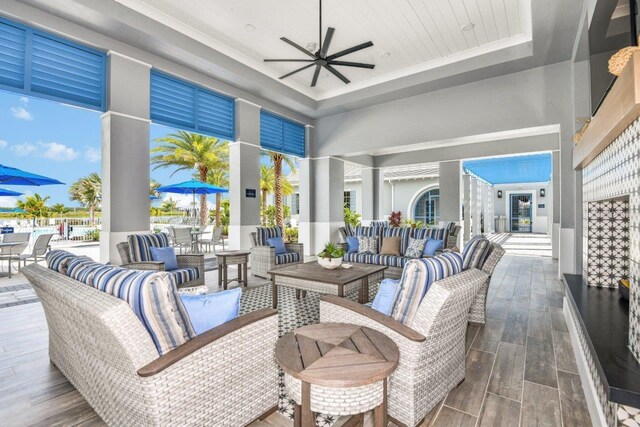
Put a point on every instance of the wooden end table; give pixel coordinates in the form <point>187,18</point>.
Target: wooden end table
<point>226,258</point>
<point>311,276</point>
<point>337,368</point>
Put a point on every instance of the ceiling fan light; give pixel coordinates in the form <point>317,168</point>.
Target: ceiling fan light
<point>312,46</point>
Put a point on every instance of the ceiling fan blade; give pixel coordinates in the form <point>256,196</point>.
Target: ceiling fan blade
<point>315,76</point>
<point>297,46</point>
<point>350,50</point>
<point>327,42</point>
<point>337,73</point>
<point>296,71</point>
<point>352,64</point>
<point>288,60</point>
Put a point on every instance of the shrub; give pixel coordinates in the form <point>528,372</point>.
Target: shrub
<point>351,218</point>
<point>395,219</point>
<point>291,235</point>
<point>93,235</point>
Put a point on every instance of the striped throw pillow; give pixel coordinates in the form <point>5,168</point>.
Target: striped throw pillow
<point>475,252</point>
<point>417,277</point>
<point>58,260</point>
<point>139,245</point>
<point>152,296</point>
<point>265,233</point>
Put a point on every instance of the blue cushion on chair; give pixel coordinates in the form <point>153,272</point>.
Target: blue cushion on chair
<point>386,297</point>
<point>278,244</point>
<point>352,245</point>
<point>166,255</point>
<point>432,246</point>
<point>210,310</point>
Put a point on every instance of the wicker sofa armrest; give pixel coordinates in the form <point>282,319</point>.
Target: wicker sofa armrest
<point>385,321</point>
<point>297,248</point>
<point>190,260</point>
<point>203,340</point>
<point>145,265</point>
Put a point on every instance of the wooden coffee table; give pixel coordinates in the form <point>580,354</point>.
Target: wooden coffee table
<point>311,276</point>
<point>337,369</point>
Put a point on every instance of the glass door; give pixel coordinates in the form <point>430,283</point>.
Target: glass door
<point>521,209</point>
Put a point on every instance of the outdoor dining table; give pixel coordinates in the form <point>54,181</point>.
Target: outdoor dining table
<point>10,245</point>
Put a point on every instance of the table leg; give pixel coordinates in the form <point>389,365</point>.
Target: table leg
<point>341,291</point>
<point>239,266</point>
<point>380,412</point>
<point>365,289</point>
<point>297,415</point>
<point>308,420</point>
<point>245,274</point>
<point>297,293</point>
<point>224,276</point>
<point>274,292</point>
<point>361,293</point>
<point>304,294</point>
<point>220,274</point>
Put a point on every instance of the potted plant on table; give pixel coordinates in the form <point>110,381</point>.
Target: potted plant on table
<point>331,256</point>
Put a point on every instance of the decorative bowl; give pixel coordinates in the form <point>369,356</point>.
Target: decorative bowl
<point>330,263</point>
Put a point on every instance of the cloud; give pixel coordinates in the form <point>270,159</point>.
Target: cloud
<point>21,112</point>
<point>48,150</point>
<point>92,154</point>
<point>3,143</point>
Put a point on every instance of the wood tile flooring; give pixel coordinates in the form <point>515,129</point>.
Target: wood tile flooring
<point>521,368</point>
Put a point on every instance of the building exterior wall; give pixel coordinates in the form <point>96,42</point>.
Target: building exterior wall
<point>540,216</point>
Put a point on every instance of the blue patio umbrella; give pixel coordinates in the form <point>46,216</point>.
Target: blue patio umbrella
<point>192,187</point>
<point>14,176</point>
<point>4,192</point>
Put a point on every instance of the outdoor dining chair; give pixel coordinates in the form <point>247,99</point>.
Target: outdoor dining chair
<point>40,248</point>
<point>9,253</point>
<point>215,239</point>
<point>181,238</point>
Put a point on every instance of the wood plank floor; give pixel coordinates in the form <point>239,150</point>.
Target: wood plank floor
<point>521,368</point>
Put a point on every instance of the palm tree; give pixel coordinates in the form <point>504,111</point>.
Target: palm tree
<point>88,191</point>
<point>58,209</point>
<point>278,159</point>
<point>188,151</point>
<point>34,206</point>
<point>219,177</point>
<point>267,186</point>
<point>153,188</point>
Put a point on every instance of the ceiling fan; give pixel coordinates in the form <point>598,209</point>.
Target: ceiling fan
<point>320,58</point>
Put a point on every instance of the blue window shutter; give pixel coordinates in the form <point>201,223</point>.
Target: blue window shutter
<point>181,104</point>
<point>278,134</point>
<point>46,66</point>
<point>67,71</point>
<point>172,102</point>
<point>12,56</point>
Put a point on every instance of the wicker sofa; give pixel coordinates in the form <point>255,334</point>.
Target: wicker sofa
<point>189,275</point>
<point>263,257</point>
<point>224,377</point>
<point>432,348</point>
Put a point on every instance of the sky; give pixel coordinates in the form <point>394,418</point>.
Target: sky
<point>58,141</point>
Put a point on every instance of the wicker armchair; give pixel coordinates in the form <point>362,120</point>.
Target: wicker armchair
<point>193,261</point>
<point>432,349</point>
<point>478,312</point>
<point>226,376</point>
<point>263,258</point>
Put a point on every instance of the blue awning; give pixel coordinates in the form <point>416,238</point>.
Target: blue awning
<point>511,170</point>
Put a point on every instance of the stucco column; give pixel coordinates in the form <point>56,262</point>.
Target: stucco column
<point>476,194</point>
<point>372,197</point>
<point>555,193</point>
<point>244,175</point>
<point>466,198</point>
<point>449,183</point>
<point>125,154</point>
<point>325,184</point>
<point>489,213</point>
<point>307,199</point>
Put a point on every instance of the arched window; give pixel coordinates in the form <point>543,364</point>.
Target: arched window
<point>427,207</point>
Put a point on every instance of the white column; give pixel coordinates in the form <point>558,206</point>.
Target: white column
<point>484,188</point>
<point>325,202</point>
<point>305,189</point>
<point>372,197</point>
<point>555,197</point>
<point>476,209</point>
<point>466,197</point>
<point>244,175</point>
<point>449,183</point>
<point>489,216</point>
<point>125,155</point>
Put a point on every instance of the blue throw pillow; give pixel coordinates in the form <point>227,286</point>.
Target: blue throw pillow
<point>386,297</point>
<point>352,245</point>
<point>278,244</point>
<point>166,255</point>
<point>432,246</point>
<point>210,310</point>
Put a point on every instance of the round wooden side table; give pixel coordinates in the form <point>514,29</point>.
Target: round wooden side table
<point>226,258</point>
<point>337,369</point>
